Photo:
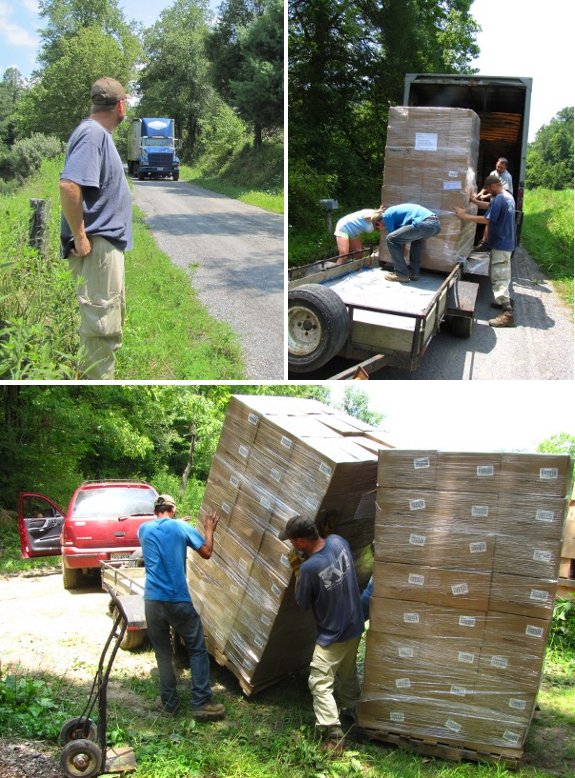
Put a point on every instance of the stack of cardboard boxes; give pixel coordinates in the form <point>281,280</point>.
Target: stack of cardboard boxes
<point>431,159</point>
<point>277,457</point>
<point>467,551</point>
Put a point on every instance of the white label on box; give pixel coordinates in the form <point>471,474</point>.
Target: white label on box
<point>312,504</point>
<point>420,463</point>
<point>243,451</point>
<point>265,620</point>
<point>253,418</point>
<point>234,590</point>
<point>511,737</point>
<point>448,185</point>
<point>541,556</point>
<point>395,715</point>
<point>266,503</point>
<point>243,564</point>
<point>226,507</point>
<point>534,632</point>
<point>480,547</point>
<point>484,471</point>
<point>467,621</point>
<point>219,636</point>
<point>284,560</point>
<point>453,726</point>
<point>416,540</point>
<point>517,704</point>
<point>426,141</point>
<point>411,618</point>
<point>405,652</point>
<point>548,473</point>
<point>539,595</point>
<point>403,683</point>
<point>417,505</point>
<point>325,469</point>
<point>286,442</point>
<point>416,579</point>
<point>258,642</point>
<point>453,173</point>
<point>235,481</point>
<point>458,691</point>
<point>275,590</point>
<point>547,516</point>
<point>480,511</point>
<point>276,474</point>
<point>501,662</point>
<point>458,589</point>
<point>467,657</point>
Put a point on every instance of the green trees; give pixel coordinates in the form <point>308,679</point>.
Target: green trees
<point>550,157</point>
<point>347,62</point>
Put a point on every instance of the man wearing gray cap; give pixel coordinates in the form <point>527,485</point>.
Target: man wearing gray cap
<point>326,583</point>
<point>96,227</point>
<point>168,604</point>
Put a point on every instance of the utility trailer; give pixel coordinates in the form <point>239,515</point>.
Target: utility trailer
<point>352,311</point>
<point>125,578</point>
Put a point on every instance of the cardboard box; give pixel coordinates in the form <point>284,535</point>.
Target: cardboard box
<point>469,472</point>
<point>527,631</point>
<point>431,159</point>
<point>548,474</point>
<point>533,516</point>
<point>522,595</point>
<point>407,469</point>
<point>524,556</point>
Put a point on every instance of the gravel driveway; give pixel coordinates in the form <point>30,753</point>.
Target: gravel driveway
<point>236,252</point>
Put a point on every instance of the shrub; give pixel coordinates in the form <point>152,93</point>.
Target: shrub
<point>28,154</point>
<point>562,634</point>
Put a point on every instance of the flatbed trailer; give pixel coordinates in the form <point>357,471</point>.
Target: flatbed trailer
<point>351,310</point>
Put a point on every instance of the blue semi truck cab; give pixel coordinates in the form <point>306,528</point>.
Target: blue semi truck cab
<point>152,149</point>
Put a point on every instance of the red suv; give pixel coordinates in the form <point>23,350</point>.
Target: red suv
<point>101,523</point>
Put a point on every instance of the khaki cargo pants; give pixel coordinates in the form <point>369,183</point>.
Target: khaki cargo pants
<point>101,297</point>
<point>500,274</point>
<point>331,665</point>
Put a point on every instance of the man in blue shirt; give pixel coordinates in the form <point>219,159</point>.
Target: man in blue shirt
<point>500,216</point>
<point>96,227</point>
<point>168,603</point>
<point>408,223</point>
<point>326,583</point>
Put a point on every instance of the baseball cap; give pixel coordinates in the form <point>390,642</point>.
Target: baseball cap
<point>165,501</point>
<point>299,527</point>
<point>107,91</point>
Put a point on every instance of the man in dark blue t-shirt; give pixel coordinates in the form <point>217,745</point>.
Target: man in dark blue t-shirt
<point>500,217</point>
<point>326,583</point>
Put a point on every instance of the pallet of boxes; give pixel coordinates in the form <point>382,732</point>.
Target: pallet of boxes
<point>467,553</point>
<point>277,457</point>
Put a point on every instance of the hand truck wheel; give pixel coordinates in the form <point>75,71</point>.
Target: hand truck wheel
<point>78,728</point>
<point>81,759</point>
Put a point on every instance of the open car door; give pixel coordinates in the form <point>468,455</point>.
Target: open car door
<point>39,525</point>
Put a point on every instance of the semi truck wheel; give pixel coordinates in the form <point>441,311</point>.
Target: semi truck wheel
<point>318,326</point>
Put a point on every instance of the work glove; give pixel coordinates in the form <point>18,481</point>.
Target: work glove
<point>295,558</point>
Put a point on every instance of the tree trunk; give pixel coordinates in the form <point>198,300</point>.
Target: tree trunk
<point>190,463</point>
<point>257,136</point>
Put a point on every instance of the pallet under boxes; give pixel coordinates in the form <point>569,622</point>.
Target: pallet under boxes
<point>276,457</point>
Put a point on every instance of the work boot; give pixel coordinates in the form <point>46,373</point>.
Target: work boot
<point>334,740</point>
<point>505,319</point>
<point>211,711</point>
<point>396,277</point>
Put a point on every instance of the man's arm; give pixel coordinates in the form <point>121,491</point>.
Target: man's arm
<point>469,217</point>
<point>210,524</point>
<point>73,209</point>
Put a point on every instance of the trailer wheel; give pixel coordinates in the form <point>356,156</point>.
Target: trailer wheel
<point>81,759</point>
<point>461,326</point>
<point>133,638</point>
<point>71,577</point>
<point>78,728</point>
<point>318,326</point>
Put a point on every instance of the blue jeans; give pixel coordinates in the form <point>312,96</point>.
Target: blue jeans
<point>414,234</point>
<point>182,617</point>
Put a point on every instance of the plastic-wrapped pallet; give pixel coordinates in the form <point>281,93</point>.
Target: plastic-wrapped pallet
<point>431,159</point>
<point>277,457</point>
<point>467,550</point>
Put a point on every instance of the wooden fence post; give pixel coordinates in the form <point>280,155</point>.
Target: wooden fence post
<point>40,226</point>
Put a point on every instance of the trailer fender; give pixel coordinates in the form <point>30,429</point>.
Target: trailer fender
<point>318,326</point>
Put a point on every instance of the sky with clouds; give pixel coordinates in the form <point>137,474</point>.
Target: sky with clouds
<point>518,38</point>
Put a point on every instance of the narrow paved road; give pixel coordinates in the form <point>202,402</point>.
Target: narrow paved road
<point>236,253</point>
<point>539,347</point>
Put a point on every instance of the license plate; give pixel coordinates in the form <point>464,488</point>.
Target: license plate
<point>121,555</point>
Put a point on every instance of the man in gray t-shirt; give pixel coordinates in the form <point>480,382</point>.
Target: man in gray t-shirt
<point>96,227</point>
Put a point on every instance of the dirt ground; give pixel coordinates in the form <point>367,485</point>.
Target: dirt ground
<point>48,629</point>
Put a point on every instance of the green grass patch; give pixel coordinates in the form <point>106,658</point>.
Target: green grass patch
<point>547,234</point>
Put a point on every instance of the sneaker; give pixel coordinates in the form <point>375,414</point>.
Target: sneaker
<point>506,319</point>
<point>413,277</point>
<point>211,711</point>
<point>396,277</point>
